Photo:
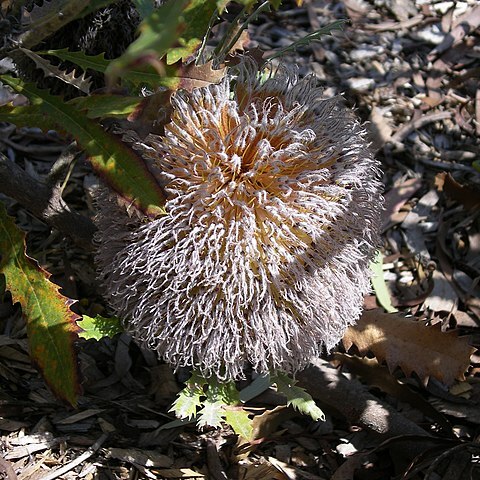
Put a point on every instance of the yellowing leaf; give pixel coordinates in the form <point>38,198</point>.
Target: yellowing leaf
<point>411,345</point>
<point>51,326</point>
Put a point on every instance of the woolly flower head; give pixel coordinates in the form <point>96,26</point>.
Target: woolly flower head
<point>272,219</point>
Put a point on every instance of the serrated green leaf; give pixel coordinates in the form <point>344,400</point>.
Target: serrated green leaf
<point>190,398</point>
<point>297,397</point>
<point>226,393</point>
<point>51,326</point>
<point>80,81</point>
<point>112,160</point>
<point>196,17</point>
<point>158,32</point>
<point>106,106</point>
<point>93,62</point>
<point>135,74</point>
<point>379,285</point>
<point>98,327</point>
<point>239,420</point>
<point>211,414</point>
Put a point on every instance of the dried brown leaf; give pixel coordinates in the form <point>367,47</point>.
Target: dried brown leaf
<point>410,345</point>
<point>194,76</point>
<point>468,196</point>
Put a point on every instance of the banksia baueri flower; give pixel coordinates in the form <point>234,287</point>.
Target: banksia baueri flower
<point>272,219</point>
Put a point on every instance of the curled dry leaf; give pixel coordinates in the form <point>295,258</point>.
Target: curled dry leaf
<point>410,345</point>
<point>467,195</point>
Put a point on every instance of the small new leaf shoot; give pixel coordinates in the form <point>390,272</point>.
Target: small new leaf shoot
<point>190,398</point>
<point>99,327</point>
<point>297,397</point>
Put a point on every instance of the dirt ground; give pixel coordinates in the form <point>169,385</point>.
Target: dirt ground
<point>411,69</point>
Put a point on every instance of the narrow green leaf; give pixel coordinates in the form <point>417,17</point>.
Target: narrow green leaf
<point>158,32</point>
<point>258,386</point>
<point>196,17</point>
<point>297,397</point>
<point>307,39</point>
<point>98,327</point>
<point>239,420</point>
<point>106,106</point>
<point>80,81</point>
<point>117,164</point>
<point>51,326</point>
<point>379,285</point>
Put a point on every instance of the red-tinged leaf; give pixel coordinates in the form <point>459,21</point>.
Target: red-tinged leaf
<point>51,326</point>
<point>118,165</point>
<point>410,345</point>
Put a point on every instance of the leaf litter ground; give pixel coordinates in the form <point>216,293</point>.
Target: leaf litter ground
<point>411,69</point>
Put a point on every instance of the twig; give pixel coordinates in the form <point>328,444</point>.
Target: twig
<point>44,202</point>
<point>80,459</point>
<point>351,399</point>
<point>404,131</point>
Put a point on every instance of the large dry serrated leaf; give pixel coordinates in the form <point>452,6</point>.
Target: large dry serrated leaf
<point>410,345</point>
<point>51,326</point>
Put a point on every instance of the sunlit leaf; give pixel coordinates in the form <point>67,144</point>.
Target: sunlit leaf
<point>211,414</point>
<point>379,285</point>
<point>158,32</point>
<point>190,398</point>
<point>239,420</point>
<point>118,165</point>
<point>297,397</point>
<point>98,327</point>
<point>51,326</point>
<point>196,18</point>
<point>411,345</point>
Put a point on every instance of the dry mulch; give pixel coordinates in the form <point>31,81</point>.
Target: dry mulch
<point>409,67</point>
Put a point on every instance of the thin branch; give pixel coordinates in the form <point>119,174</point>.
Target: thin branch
<point>352,400</point>
<point>45,202</point>
<point>79,460</point>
